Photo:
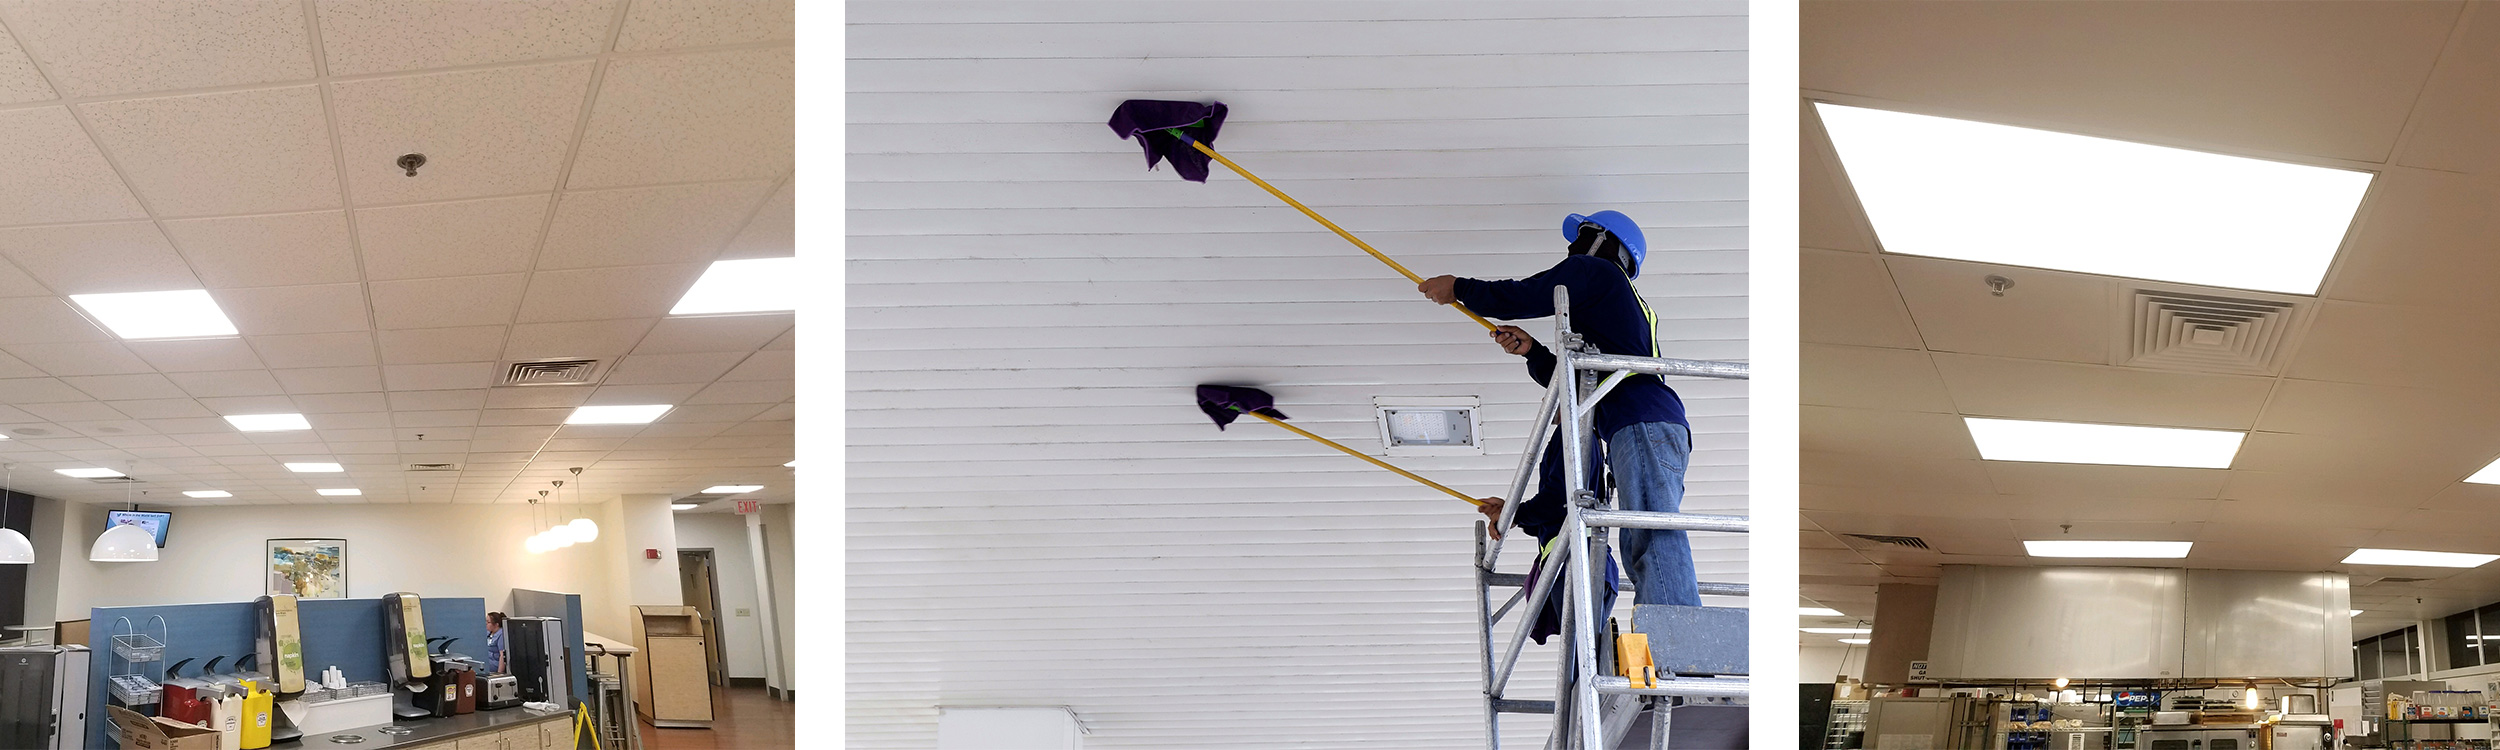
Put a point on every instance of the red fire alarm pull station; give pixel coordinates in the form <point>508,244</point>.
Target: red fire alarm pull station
<point>651,554</point>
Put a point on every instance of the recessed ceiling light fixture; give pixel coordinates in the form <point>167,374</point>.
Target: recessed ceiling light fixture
<point>2355,613</point>
<point>681,506</point>
<point>268,422</point>
<point>743,286</point>
<point>88,473</point>
<point>206,493</point>
<point>2489,475</point>
<point>639,414</point>
<point>185,314</point>
<point>1855,641</point>
<point>2123,445</point>
<point>314,467</point>
<point>340,492</point>
<point>1838,631</point>
<point>2417,558</point>
<point>731,489</point>
<point>1990,193</point>
<point>1818,612</point>
<point>2079,548</point>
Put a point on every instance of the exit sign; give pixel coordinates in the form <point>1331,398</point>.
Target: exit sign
<point>746,507</point>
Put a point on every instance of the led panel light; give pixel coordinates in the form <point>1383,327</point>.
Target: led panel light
<point>1990,193</point>
<point>681,506</point>
<point>743,286</point>
<point>268,422</point>
<point>184,314</point>
<point>731,489</point>
<point>1818,612</point>
<point>2489,475</point>
<point>2355,613</point>
<point>88,473</point>
<point>2079,548</point>
<point>640,414</point>
<point>314,467</point>
<point>1838,631</point>
<point>206,493</point>
<point>340,492</point>
<point>2124,445</point>
<point>1855,641</point>
<point>2417,558</point>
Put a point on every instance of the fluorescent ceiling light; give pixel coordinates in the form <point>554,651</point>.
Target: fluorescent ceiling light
<point>681,506</point>
<point>1854,641</point>
<point>2075,548</point>
<point>793,463</point>
<point>157,315</point>
<point>731,489</point>
<point>743,286</point>
<point>2355,613</point>
<point>1991,193</point>
<point>1839,631</point>
<point>340,493</point>
<point>314,467</point>
<point>268,422</point>
<point>207,493</point>
<point>1818,612</point>
<point>642,414</point>
<point>2078,443</point>
<point>87,473</point>
<point>2489,475</point>
<point>2417,558</point>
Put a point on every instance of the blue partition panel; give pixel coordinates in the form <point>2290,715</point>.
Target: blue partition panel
<point>345,633</point>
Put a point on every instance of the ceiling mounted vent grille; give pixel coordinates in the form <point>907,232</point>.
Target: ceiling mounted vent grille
<point>2395,580</point>
<point>116,480</point>
<point>433,467</point>
<point>2172,330</point>
<point>1904,541</point>
<point>551,372</point>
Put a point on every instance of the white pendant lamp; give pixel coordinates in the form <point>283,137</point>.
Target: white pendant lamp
<point>14,548</point>
<point>584,529</point>
<point>536,543</point>
<point>123,543</point>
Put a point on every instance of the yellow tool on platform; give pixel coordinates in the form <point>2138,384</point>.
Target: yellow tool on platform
<point>1632,658</point>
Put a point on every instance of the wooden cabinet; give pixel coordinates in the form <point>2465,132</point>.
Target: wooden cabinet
<point>480,742</point>
<point>524,738</point>
<point>676,686</point>
<point>556,735</point>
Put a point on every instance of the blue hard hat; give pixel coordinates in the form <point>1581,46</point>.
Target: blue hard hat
<point>1617,224</point>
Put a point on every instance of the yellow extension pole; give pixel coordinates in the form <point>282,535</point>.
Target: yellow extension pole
<point>1375,461</point>
<point>1349,237</point>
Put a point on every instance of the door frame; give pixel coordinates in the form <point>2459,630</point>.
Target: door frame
<point>716,655</point>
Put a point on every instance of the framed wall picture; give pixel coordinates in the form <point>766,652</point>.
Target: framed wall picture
<point>308,568</point>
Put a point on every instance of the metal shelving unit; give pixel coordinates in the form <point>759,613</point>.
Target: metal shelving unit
<point>1846,730</point>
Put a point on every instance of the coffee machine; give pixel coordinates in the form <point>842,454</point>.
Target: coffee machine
<point>541,658</point>
<point>43,697</point>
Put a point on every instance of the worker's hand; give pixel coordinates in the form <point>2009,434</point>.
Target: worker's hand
<point>1441,289</point>
<point>1514,340</point>
<point>1492,510</point>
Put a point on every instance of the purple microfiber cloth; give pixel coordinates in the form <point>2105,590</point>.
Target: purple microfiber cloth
<point>1146,119</point>
<point>1224,403</point>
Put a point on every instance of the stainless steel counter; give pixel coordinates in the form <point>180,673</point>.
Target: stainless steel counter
<point>427,731</point>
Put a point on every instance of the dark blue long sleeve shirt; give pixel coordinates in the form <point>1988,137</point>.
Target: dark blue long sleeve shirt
<point>1607,311</point>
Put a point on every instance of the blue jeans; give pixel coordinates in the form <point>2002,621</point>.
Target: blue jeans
<point>1648,460</point>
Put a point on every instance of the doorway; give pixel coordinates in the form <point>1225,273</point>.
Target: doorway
<point>699,582</point>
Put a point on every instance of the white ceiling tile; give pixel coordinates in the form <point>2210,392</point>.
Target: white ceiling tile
<point>677,24</point>
<point>681,118</point>
<point>665,428</point>
<point>438,400</point>
<point>776,365</point>
<point>321,308</point>
<point>456,418</point>
<point>377,421</point>
<point>438,345</point>
<point>589,338</point>
<point>330,379</point>
<point>484,132</point>
<point>195,355</point>
<point>71,413</point>
<point>375,36</point>
<point>257,151</point>
<point>117,387</point>
<point>645,369</point>
<point>530,436</point>
<point>1848,298</point>
<point>624,395</point>
<point>2059,391</point>
<point>19,80</point>
<point>89,358</point>
<point>23,391</point>
<point>316,349</point>
<point>228,383</point>
<point>16,283</point>
<point>98,258</point>
<point>439,377</point>
<point>464,238</point>
<point>447,302</point>
<point>644,226</point>
<point>773,233</point>
<point>132,46</point>
<point>782,412</point>
<point>1870,378</point>
<point>508,417</point>
<point>206,430</point>
<point>699,413</point>
<point>721,333</point>
<point>606,293</point>
<point>269,250</point>
<point>744,392</point>
<point>12,367</point>
<point>162,408</point>
<point>56,174</point>
<point>787,341</point>
<point>2046,315</point>
<point>341,403</point>
<point>538,397</point>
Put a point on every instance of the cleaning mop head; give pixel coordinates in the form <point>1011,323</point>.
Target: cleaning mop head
<point>1225,403</point>
<point>1147,119</point>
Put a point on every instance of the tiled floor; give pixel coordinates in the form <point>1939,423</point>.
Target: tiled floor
<point>743,718</point>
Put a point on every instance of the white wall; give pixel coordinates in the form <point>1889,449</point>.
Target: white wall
<point>725,534</point>
<point>648,524</point>
<point>1819,664</point>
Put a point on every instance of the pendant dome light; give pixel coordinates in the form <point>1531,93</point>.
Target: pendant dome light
<point>536,543</point>
<point>14,548</point>
<point>584,529</point>
<point>124,543</point>
<point>556,538</point>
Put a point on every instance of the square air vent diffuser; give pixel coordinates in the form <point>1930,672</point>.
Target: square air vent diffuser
<point>2197,332</point>
<point>1900,541</point>
<point>1411,426</point>
<point>551,372</point>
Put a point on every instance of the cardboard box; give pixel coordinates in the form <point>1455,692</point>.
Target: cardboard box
<point>159,733</point>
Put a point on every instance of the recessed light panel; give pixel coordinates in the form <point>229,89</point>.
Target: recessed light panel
<point>340,493</point>
<point>2489,475</point>
<point>681,506</point>
<point>731,489</point>
<point>185,314</point>
<point>640,414</point>
<point>2417,558</point>
<point>2078,548</point>
<point>1990,193</point>
<point>87,473</point>
<point>2123,445</point>
<point>268,422</point>
<point>1818,612</point>
<point>1839,631</point>
<point>314,467</point>
<point>743,286</point>
<point>1854,641</point>
<point>206,493</point>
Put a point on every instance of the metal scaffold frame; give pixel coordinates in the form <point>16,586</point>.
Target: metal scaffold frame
<point>1580,722</point>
